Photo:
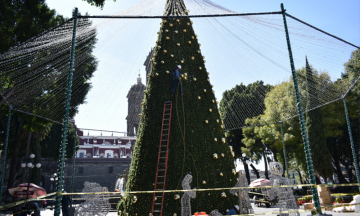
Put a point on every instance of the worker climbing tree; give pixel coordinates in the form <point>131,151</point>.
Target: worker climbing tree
<point>197,141</point>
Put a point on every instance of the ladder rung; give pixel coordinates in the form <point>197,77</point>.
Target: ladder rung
<point>162,157</point>
<point>163,151</point>
<point>157,203</point>
<point>165,134</point>
<point>160,183</point>
<point>159,189</point>
<point>166,129</point>
<point>167,109</point>
<point>157,210</point>
<point>161,176</point>
<point>164,140</point>
<point>161,163</point>
<point>165,124</point>
<point>158,196</point>
<point>161,169</point>
<point>163,145</point>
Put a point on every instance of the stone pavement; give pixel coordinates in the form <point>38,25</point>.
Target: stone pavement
<point>258,210</point>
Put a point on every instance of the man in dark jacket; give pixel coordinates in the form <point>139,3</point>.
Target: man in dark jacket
<point>176,80</point>
<point>234,211</point>
<point>65,201</point>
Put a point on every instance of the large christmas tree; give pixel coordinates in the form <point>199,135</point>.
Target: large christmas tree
<point>196,128</point>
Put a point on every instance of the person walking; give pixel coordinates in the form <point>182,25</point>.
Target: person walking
<point>234,211</point>
<point>65,201</point>
<point>176,80</point>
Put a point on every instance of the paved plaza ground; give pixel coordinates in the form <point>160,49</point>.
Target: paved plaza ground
<point>257,210</point>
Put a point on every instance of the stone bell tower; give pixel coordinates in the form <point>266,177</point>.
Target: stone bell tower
<point>135,97</point>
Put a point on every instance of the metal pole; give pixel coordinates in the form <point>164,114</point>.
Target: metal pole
<point>66,122</point>
<point>356,164</point>
<point>302,120</point>
<point>286,165</point>
<point>5,152</point>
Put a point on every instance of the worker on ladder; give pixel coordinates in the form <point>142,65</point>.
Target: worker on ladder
<point>176,80</point>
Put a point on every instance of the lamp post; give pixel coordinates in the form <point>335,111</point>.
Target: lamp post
<point>246,160</point>
<point>29,163</point>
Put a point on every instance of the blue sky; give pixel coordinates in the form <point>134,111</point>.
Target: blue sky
<point>122,49</point>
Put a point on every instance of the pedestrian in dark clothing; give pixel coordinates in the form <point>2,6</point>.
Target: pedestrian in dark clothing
<point>176,80</point>
<point>65,201</point>
<point>234,211</point>
<point>36,209</point>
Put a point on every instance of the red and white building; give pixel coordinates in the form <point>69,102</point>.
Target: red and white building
<point>104,146</point>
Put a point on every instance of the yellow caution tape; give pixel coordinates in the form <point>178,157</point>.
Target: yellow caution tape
<point>23,201</point>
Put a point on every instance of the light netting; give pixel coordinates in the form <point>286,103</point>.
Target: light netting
<point>238,49</point>
<point>34,75</point>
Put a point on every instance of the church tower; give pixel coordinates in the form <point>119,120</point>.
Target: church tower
<point>135,97</point>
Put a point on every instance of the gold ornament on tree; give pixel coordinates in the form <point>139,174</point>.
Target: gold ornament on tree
<point>233,171</point>
<point>157,74</point>
<point>222,155</point>
<point>200,68</point>
<point>189,42</point>
<point>213,101</point>
<point>223,140</point>
<point>172,56</point>
<point>178,44</point>
<point>167,38</point>
<point>204,61</point>
<point>192,58</point>
<point>167,72</point>
<point>199,98</point>
<point>162,62</point>
<point>174,214</point>
<point>208,73</point>
<point>192,37</point>
<point>184,30</point>
<point>171,25</point>
<point>166,30</point>
<point>217,120</point>
<point>176,32</point>
<point>221,174</point>
<point>188,24</point>
<point>134,199</point>
<point>204,90</point>
<point>182,61</point>
<point>204,182</point>
<point>159,47</point>
<point>222,126</point>
<point>176,197</point>
<point>165,51</point>
<point>199,44</point>
<point>233,153</point>
<point>177,20</point>
<point>198,51</point>
<point>223,195</point>
<point>210,110</point>
<point>215,156</point>
<point>215,139</point>
<point>194,79</point>
<point>206,121</point>
<point>208,80</point>
<point>231,148</point>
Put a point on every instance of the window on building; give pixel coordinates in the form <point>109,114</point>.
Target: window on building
<point>81,170</point>
<point>81,155</point>
<point>110,170</point>
<point>293,175</point>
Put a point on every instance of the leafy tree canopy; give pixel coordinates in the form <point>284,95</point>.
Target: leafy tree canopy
<point>97,3</point>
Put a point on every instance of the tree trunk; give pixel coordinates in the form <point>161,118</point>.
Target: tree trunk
<point>299,173</point>
<point>247,172</point>
<point>27,152</point>
<point>275,156</point>
<point>266,166</point>
<point>14,161</point>
<point>284,165</point>
<point>255,171</point>
<point>338,171</point>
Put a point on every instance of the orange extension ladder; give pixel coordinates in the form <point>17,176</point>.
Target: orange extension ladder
<point>160,179</point>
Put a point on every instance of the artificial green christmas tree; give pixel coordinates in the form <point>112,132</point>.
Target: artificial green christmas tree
<point>197,141</point>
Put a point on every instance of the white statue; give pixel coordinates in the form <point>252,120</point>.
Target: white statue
<point>286,197</point>
<point>215,213</point>
<point>95,204</point>
<point>244,202</point>
<point>185,199</point>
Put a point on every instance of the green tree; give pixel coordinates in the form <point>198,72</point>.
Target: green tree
<point>238,104</point>
<point>22,20</point>
<point>97,3</point>
<point>192,140</point>
<point>315,128</point>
